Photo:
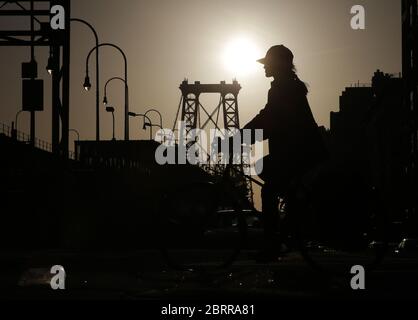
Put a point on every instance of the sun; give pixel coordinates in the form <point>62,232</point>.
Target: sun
<point>240,57</point>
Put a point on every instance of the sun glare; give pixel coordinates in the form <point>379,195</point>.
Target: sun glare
<point>240,57</point>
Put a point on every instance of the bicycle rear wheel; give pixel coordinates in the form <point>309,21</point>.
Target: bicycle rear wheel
<point>335,226</point>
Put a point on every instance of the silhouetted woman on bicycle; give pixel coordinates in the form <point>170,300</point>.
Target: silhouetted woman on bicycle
<point>295,144</point>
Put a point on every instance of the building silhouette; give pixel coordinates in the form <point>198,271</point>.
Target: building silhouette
<point>347,125</point>
<point>410,74</point>
<point>368,139</point>
<point>386,145</point>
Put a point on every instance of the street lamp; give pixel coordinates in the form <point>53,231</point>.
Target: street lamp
<point>161,121</point>
<point>146,124</point>
<point>76,132</point>
<point>50,65</point>
<point>126,117</point>
<point>14,125</point>
<point>112,110</point>
<point>17,117</point>
<point>87,84</point>
<point>105,88</point>
<point>159,113</point>
<point>133,114</point>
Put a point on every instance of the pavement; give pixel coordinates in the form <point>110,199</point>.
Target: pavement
<point>145,275</point>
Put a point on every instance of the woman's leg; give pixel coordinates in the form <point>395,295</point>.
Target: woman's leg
<point>270,214</point>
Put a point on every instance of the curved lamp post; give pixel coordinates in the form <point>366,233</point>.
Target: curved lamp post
<point>159,113</point>
<point>105,87</point>
<point>133,114</point>
<point>76,132</point>
<point>161,121</point>
<point>17,118</point>
<point>50,69</point>
<point>14,125</point>
<point>87,84</point>
<point>151,126</point>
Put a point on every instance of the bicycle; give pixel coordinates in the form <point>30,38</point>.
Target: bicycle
<point>325,238</point>
<point>199,222</point>
<point>189,231</point>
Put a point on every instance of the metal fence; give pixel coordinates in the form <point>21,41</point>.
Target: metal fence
<point>25,138</point>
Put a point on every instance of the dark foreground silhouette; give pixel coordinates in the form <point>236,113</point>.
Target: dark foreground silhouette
<point>295,143</point>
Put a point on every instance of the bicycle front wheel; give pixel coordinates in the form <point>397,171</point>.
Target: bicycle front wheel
<point>195,232</point>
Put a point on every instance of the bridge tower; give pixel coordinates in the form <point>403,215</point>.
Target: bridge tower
<point>196,116</point>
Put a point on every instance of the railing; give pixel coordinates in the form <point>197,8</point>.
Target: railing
<point>5,129</point>
<point>361,85</point>
<point>25,138</point>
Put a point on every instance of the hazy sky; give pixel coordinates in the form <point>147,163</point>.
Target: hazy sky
<point>169,40</point>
